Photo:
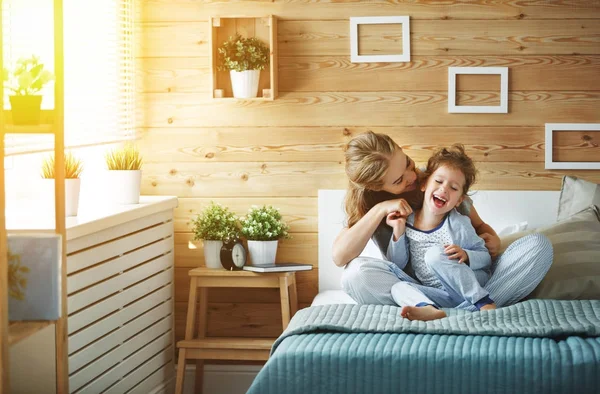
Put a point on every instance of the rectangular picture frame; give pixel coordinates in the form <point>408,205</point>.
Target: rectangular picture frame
<point>478,109</point>
<point>550,164</point>
<point>379,20</point>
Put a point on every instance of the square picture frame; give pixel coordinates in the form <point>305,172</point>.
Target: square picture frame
<point>550,164</point>
<point>379,20</point>
<point>453,72</point>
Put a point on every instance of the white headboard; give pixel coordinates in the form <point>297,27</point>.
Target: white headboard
<point>499,209</point>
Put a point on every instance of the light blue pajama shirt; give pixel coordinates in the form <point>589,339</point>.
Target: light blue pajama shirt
<point>458,282</point>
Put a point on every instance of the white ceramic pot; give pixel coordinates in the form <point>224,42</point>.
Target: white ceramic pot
<point>244,83</point>
<point>124,186</point>
<point>212,253</point>
<point>262,252</point>
<point>72,189</point>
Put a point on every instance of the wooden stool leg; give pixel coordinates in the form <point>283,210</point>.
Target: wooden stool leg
<point>202,320</point>
<point>293,296</point>
<point>285,301</point>
<point>189,333</point>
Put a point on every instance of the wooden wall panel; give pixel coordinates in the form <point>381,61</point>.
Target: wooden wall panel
<point>193,10</point>
<point>242,153</point>
<point>422,73</point>
<point>402,108</point>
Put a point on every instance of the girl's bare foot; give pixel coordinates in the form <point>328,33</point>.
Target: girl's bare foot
<point>488,307</point>
<point>423,313</point>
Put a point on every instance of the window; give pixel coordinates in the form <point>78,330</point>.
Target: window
<point>99,67</point>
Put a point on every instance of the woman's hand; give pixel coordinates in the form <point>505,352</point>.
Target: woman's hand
<point>492,243</point>
<point>456,252</point>
<point>397,222</point>
<point>399,206</point>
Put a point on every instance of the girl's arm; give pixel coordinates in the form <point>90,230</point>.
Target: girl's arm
<point>351,241</point>
<point>397,251</point>
<point>485,231</point>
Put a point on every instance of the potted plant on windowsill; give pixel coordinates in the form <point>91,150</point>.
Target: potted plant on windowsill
<point>215,225</point>
<point>125,173</point>
<point>244,58</point>
<point>24,81</point>
<point>73,168</point>
<point>263,227</point>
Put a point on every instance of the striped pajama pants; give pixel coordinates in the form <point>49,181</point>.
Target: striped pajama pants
<point>514,275</point>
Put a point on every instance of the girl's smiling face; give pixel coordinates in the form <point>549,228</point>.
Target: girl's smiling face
<point>443,190</point>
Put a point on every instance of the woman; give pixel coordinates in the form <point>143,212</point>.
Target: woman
<point>384,180</point>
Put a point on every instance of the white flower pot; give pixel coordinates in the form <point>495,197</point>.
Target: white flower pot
<point>125,186</point>
<point>244,83</point>
<point>72,188</point>
<point>262,252</point>
<point>212,253</point>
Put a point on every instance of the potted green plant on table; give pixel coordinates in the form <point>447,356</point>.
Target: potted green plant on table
<point>215,225</point>
<point>26,79</point>
<point>73,168</point>
<point>125,173</point>
<point>263,227</point>
<point>244,58</point>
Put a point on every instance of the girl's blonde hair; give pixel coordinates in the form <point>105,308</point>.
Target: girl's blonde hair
<point>456,158</point>
<point>367,160</point>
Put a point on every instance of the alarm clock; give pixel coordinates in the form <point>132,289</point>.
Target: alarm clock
<point>233,256</point>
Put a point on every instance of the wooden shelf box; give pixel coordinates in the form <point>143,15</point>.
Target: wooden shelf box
<point>263,28</point>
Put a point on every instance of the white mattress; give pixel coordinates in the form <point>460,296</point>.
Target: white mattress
<point>332,297</point>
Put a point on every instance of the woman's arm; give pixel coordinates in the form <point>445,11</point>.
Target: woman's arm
<point>485,231</point>
<point>351,241</point>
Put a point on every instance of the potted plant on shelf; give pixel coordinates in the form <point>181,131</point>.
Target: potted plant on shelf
<point>125,173</point>
<point>73,168</point>
<point>24,81</point>
<point>263,227</point>
<point>244,58</point>
<point>215,225</point>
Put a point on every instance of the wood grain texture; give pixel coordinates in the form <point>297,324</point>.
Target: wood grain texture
<point>300,213</point>
<point>445,37</point>
<point>212,180</point>
<point>575,146</point>
<point>325,144</point>
<point>422,73</point>
<point>194,10</point>
<point>449,37</point>
<point>307,289</point>
<point>526,108</point>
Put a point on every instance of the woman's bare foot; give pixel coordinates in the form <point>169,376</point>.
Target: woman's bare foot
<point>423,313</point>
<point>488,307</point>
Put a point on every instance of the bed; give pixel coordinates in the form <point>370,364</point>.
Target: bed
<point>337,346</point>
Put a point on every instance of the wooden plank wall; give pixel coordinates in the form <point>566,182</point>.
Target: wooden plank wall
<point>281,152</point>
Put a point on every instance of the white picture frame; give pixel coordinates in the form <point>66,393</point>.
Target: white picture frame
<point>379,20</point>
<point>568,165</point>
<point>478,109</point>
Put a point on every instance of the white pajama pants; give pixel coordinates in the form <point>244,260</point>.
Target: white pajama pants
<point>514,275</point>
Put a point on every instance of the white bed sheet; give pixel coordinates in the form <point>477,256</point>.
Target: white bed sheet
<point>329,297</point>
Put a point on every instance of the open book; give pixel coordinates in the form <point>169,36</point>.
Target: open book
<point>280,267</point>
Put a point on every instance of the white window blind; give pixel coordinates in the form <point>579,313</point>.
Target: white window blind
<point>99,63</point>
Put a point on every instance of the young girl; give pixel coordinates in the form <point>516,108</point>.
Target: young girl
<point>444,250</point>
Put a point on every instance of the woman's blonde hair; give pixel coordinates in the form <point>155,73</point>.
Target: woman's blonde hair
<point>367,160</point>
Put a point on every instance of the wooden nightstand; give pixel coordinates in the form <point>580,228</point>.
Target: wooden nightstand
<point>203,348</point>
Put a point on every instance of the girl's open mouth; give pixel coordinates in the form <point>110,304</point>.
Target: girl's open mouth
<point>439,202</point>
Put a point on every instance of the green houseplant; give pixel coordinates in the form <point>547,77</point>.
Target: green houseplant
<point>26,79</point>
<point>215,225</point>
<point>263,227</point>
<point>124,165</point>
<point>244,58</point>
<point>73,169</point>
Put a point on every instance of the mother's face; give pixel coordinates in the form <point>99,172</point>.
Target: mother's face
<point>400,176</point>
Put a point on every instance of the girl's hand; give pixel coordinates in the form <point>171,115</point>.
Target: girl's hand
<point>398,205</point>
<point>456,252</point>
<point>397,222</point>
<point>492,243</point>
